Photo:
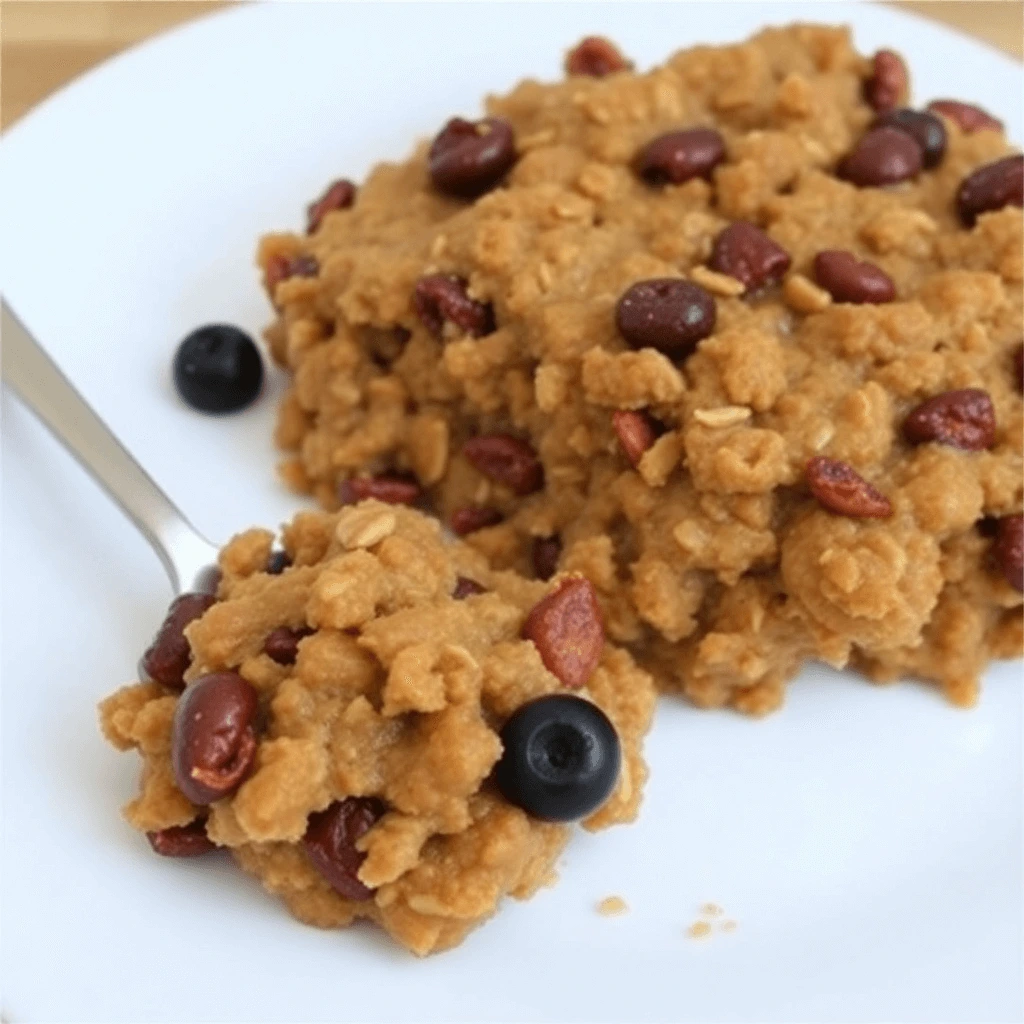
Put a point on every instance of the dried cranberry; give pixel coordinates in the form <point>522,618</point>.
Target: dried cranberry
<point>330,842</point>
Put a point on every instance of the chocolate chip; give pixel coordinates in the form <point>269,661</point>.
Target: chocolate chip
<point>188,840</point>
<point>465,587</point>
<point>282,644</point>
<point>277,562</point>
<point>925,129</point>
<point>884,156</point>
<point>596,57</point>
<point>545,554</point>
<point>469,158</point>
<point>888,84</point>
<point>330,842</point>
<point>440,297</point>
<point>168,657</point>
<point>1008,549</point>
<point>962,419</point>
<point>748,254</point>
<point>567,629</point>
<point>1018,367</point>
<point>966,116</point>
<point>474,517</point>
<point>676,157</point>
<point>213,740</point>
<point>848,279</point>
<point>636,430</point>
<point>339,196</point>
<point>842,490</point>
<point>506,460</point>
<point>991,187</point>
<point>389,488</point>
<point>666,314</point>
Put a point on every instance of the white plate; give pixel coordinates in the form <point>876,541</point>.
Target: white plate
<point>866,840</point>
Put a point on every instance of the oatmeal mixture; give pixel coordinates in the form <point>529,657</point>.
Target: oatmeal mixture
<point>737,338</point>
<point>715,369</point>
<point>335,717</point>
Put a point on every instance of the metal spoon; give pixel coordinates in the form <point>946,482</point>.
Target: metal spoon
<point>189,558</point>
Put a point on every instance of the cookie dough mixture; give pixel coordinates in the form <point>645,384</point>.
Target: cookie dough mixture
<point>737,338</point>
<point>332,717</point>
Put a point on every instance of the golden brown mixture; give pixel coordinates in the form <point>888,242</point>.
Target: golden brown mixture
<point>737,338</point>
<point>338,715</point>
<point>729,352</point>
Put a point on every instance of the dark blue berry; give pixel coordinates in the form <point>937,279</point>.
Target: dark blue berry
<point>561,758</point>
<point>217,368</point>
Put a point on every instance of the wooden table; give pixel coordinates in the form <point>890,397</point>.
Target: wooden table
<point>45,43</point>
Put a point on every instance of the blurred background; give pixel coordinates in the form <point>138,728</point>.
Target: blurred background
<point>45,43</point>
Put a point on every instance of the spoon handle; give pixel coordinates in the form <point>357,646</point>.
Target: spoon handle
<point>186,555</point>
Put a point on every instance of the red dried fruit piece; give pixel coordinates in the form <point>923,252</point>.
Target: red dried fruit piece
<point>442,297</point>
<point>280,268</point>
<point>925,129</point>
<point>506,460</point>
<point>394,490</point>
<point>169,655</point>
<point>188,840</point>
<point>636,431</point>
<point>990,188</point>
<point>1018,367</point>
<point>842,490</point>
<point>465,587</point>
<point>213,738</point>
<point>304,266</point>
<point>883,156</point>
<point>667,314</point>
<point>968,117</point>
<point>848,279</point>
<point>595,56</point>
<point>676,157</point>
<point>746,253</point>
<point>468,158</point>
<point>276,270</point>
<point>282,644</point>
<point>330,842</point>
<point>888,85</point>
<point>474,517</point>
<point>567,629</point>
<point>1009,550</point>
<point>962,419</point>
<point>340,195</point>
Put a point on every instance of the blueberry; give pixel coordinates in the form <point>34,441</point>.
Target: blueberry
<point>217,368</point>
<point>561,758</point>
